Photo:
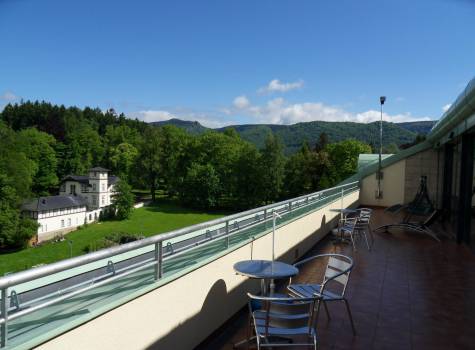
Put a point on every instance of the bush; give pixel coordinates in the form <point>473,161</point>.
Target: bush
<point>111,240</point>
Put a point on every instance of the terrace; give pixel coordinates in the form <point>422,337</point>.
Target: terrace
<point>409,292</point>
<point>178,289</point>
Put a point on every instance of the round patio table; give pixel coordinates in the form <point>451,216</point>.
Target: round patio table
<point>265,270</point>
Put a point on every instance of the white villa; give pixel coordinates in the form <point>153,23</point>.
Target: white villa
<point>81,200</point>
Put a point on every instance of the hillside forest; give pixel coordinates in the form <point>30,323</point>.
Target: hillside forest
<point>40,143</point>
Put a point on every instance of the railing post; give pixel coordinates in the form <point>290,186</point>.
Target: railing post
<point>227,234</point>
<point>341,216</point>
<point>265,214</point>
<point>290,207</point>
<point>4,311</point>
<point>158,260</point>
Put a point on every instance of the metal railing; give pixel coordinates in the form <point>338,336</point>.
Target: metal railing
<point>159,248</point>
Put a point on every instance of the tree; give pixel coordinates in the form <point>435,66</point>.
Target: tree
<point>122,158</point>
<point>248,172</point>
<point>149,161</point>
<point>15,230</point>
<point>174,158</point>
<point>272,165</point>
<point>39,148</point>
<point>322,142</point>
<point>344,159</point>
<point>123,200</point>
<point>201,187</point>
<point>83,148</point>
<point>298,172</point>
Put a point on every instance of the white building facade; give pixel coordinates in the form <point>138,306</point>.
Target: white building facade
<point>81,200</point>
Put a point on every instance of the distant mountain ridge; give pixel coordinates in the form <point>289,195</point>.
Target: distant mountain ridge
<point>294,135</point>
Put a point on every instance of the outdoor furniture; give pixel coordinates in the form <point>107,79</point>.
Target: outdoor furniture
<point>347,226</point>
<point>344,214</point>
<point>421,206</point>
<point>265,270</point>
<point>284,321</point>
<point>333,286</point>
<point>363,226</point>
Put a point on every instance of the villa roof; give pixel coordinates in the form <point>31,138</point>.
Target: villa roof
<point>54,202</point>
<point>79,178</point>
<point>98,168</point>
<point>111,180</point>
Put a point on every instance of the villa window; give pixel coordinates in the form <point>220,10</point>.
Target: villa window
<point>62,223</point>
<point>103,187</point>
<point>94,200</point>
<point>72,189</point>
<point>94,187</point>
<point>103,200</point>
<point>69,222</point>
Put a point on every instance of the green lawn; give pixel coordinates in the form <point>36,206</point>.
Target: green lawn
<point>161,217</point>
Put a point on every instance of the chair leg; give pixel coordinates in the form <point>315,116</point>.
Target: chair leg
<point>249,331</point>
<point>366,239</point>
<point>351,317</point>
<point>370,229</point>
<point>326,310</point>
<point>353,240</point>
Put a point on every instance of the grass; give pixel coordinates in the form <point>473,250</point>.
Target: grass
<point>162,216</point>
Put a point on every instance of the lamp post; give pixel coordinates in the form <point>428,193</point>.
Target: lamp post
<point>70,243</point>
<point>382,99</point>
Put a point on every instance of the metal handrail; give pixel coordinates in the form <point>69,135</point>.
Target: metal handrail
<point>46,270</point>
<point>157,261</point>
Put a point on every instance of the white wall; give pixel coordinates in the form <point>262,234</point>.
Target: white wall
<point>392,186</point>
<point>51,222</point>
<point>182,313</point>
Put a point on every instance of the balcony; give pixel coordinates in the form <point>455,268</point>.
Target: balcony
<point>170,290</point>
<point>178,290</point>
<point>409,292</point>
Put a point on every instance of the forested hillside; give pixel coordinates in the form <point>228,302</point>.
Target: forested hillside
<point>294,135</point>
<point>40,143</point>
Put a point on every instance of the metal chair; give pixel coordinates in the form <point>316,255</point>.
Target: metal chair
<point>284,321</point>
<point>363,225</point>
<point>347,226</point>
<point>333,286</point>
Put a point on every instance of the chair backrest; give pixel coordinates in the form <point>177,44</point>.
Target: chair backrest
<point>337,273</point>
<point>289,313</point>
<point>365,215</point>
<point>349,224</point>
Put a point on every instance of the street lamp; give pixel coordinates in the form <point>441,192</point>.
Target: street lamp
<point>382,99</point>
<point>70,243</point>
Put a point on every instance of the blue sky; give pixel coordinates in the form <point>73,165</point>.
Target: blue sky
<point>244,61</point>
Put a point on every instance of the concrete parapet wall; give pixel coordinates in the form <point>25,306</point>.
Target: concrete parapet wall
<point>182,313</point>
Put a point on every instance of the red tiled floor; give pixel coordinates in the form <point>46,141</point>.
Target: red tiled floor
<point>409,292</point>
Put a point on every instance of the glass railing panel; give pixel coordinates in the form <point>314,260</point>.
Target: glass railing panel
<point>73,296</point>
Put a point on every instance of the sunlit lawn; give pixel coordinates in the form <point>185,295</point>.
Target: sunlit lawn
<point>162,217</point>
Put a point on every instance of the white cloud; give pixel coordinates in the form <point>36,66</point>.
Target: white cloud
<point>8,96</point>
<point>278,111</point>
<point>446,107</point>
<point>241,102</point>
<point>154,115</point>
<point>276,85</point>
